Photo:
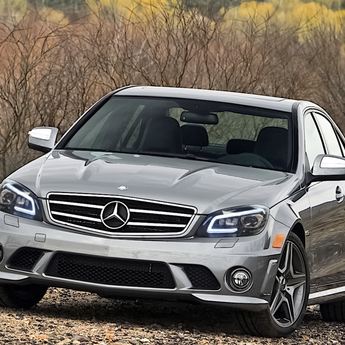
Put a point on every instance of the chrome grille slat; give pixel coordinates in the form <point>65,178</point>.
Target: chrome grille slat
<point>148,218</point>
<point>75,204</point>
<point>160,212</point>
<point>155,224</point>
<point>76,216</point>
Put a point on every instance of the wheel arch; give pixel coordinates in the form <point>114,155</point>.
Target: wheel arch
<point>298,230</point>
<point>287,215</point>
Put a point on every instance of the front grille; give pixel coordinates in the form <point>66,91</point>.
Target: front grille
<point>110,271</point>
<point>201,277</point>
<point>24,259</point>
<point>136,216</point>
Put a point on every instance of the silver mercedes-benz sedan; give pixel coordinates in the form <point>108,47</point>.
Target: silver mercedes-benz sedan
<point>168,193</point>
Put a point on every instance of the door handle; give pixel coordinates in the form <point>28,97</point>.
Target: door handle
<point>339,195</point>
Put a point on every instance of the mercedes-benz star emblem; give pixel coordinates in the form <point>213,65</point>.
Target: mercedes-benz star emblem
<point>115,215</point>
<point>122,188</point>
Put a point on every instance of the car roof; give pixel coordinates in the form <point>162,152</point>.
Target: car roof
<point>243,99</point>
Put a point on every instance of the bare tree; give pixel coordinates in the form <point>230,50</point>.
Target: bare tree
<point>50,73</point>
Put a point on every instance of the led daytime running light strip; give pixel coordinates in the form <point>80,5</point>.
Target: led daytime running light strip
<point>25,196</point>
<point>231,215</point>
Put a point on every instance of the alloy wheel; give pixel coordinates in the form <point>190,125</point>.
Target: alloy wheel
<point>289,291</point>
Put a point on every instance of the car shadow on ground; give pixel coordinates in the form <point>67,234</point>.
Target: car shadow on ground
<point>74,308</point>
<point>165,315</point>
<point>156,315</point>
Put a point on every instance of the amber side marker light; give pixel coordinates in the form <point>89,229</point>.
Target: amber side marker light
<point>278,241</point>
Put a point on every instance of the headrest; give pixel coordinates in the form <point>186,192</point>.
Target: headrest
<point>162,134</point>
<point>272,144</point>
<point>194,135</point>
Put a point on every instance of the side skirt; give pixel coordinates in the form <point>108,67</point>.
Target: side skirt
<point>328,295</point>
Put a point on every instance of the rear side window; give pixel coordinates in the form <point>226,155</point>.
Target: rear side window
<point>313,141</point>
<point>329,135</point>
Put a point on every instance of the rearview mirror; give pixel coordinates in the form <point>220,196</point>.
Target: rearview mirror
<point>206,118</point>
<point>42,138</point>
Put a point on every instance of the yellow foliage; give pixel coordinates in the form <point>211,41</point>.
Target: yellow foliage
<point>292,13</point>
<point>96,4</point>
<point>285,6</point>
<point>309,12</point>
<point>312,14</point>
<point>255,9</point>
<point>141,7</point>
<point>289,12</point>
<point>13,8</point>
<point>53,16</point>
<point>127,7</point>
<point>258,12</point>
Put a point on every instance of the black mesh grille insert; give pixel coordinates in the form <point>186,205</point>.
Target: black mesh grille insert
<point>201,277</point>
<point>138,216</point>
<point>24,259</point>
<point>111,271</point>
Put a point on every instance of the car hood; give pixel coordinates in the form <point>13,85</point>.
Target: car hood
<point>205,185</point>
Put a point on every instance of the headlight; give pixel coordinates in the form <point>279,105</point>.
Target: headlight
<point>20,201</point>
<point>235,222</point>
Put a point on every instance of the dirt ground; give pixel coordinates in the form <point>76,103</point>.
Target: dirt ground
<point>71,317</point>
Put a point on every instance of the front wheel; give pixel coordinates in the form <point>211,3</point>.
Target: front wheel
<point>289,295</point>
<point>21,296</point>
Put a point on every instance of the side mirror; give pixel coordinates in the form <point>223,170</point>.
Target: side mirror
<point>42,138</point>
<point>328,168</point>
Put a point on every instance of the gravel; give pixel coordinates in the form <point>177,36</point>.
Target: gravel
<point>73,317</point>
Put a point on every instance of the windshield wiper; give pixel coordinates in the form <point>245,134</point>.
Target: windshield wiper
<point>189,156</point>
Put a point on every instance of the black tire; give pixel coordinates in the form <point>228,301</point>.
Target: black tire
<point>334,311</point>
<point>289,296</point>
<point>21,296</point>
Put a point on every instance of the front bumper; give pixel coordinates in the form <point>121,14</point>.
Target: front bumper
<point>217,256</point>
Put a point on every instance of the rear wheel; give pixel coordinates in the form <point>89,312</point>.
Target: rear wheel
<point>333,311</point>
<point>289,295</point>
<point>21,296</point>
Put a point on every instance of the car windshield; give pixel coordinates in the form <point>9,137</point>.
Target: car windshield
<point>191,129</point>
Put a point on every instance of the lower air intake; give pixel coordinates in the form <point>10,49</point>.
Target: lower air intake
<point>201,277</point>
<point>24,259</point>
<point>111,271</point>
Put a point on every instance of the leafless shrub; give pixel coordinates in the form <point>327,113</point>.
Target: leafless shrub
<point>325,53</point>
<point>51,73</point>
